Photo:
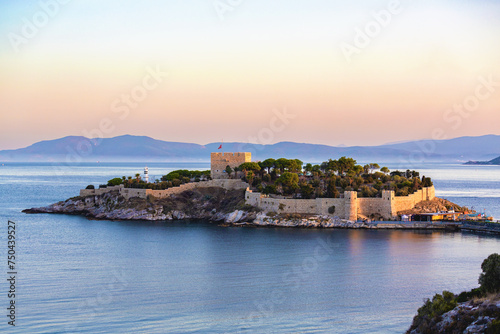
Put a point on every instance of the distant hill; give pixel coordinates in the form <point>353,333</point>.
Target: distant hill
<point>145,149</point>
<point>495,161</point>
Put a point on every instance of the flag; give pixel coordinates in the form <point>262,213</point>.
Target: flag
<point>220,147</point>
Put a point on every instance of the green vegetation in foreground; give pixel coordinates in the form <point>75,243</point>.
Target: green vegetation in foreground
<point>288,177</point>
<point>431,312</point>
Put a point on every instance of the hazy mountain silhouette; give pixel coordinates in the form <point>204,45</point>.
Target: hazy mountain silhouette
<point>142,148</point>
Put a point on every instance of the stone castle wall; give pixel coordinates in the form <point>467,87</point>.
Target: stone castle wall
<point>318,206</point>
<point>219,162</point>
<point>348,207</point>
<point>144,193</point>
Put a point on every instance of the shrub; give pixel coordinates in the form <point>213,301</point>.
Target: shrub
<point>494,327</point>
<point>439,305</point>
<point>90,186</point>
<point>468,295</point>
<point>114,182</point>
<point>490,277</point>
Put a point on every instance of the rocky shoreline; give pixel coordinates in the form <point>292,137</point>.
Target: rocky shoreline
<point>215,204</point>
<point>474,316</point>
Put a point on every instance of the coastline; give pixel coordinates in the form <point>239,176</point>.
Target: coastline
<point>227,208</point>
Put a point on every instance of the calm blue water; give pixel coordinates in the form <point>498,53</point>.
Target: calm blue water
<point>76,275</point>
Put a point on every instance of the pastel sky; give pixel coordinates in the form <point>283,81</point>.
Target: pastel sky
<point>352,73</point>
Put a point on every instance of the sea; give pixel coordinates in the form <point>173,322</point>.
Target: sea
<point>74,275</point>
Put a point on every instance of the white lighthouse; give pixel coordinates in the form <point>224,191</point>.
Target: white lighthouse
<point>146,174</point>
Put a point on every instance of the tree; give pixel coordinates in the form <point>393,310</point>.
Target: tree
<point>171,176</point>
<point>137,177</point>
<point>345,164</point>
<point>250,177</point>
<point>114,182</point>
<point>289,181</point>
<point>306,189</point>
<point>374,166</point>
<point>316,170</point>
<point>426,181</point>
<point>366,168</point>
<point>281,164</point>
<point>385,170</point>
<point>490,277</point>
<point>357,169</point>
<point>249,166</point>
<point>268,164</point>
<point>229,170</point>
<point>308,168</point>
<point>298,164</point>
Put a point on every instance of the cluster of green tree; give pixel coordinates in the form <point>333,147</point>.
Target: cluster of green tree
<point>172,179</point>
<point>288,177</point>
<point>432,310</point>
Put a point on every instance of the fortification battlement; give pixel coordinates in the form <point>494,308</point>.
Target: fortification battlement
<point>231,154</point>
<point>219,162</point>
<point>349,207</point>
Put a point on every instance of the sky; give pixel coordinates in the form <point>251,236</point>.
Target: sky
<point>202,71</point>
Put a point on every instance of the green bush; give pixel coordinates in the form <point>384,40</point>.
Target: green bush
<point>490,277</point>
<point>494,327</point>
<point>468,295</point>
<point>114,182</point>
<point>90,186</point>
<point>439,305</point>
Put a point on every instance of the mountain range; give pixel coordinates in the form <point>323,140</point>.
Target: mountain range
<point>76,149</point>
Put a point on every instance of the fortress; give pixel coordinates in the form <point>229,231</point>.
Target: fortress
<point>219,162</point>
<point>347,207</point>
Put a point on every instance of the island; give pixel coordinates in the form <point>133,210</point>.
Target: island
<point>276,192</point>
<point>495,162</point>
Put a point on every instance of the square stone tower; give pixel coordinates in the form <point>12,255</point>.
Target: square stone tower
<point>219,162</point>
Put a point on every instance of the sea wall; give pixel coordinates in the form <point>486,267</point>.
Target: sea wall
<point>144,193</point>
<point>401,203</point>
<point>318,206</point>
<point>348,207</point>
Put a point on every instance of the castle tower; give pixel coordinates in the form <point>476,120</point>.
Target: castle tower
<point>388,207</point>
<point>219,162</point>
<point>351,205</point>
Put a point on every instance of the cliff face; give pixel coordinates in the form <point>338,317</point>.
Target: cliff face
<point>204,203</point>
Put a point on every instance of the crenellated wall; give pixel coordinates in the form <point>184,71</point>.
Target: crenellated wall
<point>318,206</point>
<point>143,193</point>
<point>348,207</point>
<point>219,162</point>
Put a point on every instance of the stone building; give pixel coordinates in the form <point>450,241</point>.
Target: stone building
<point>219,162</point>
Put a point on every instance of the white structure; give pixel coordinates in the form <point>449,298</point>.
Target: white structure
<point>146,174</point>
